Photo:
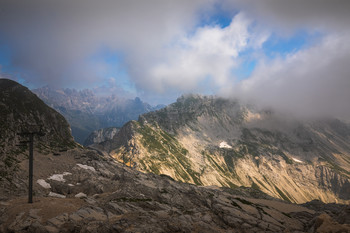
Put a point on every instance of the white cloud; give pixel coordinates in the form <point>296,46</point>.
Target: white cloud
<point>53,41</point>
<point>163,51</point>
<point>288,16</point>
<point>311,82</point>
<point>210,53</point>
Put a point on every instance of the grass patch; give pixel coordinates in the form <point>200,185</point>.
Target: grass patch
<point>284,197</point>
<point>261,183</point>
<point>255,186</point>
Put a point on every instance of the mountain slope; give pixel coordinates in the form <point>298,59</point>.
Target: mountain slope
<point>20,111</point>
<point>81,190</point>
<point>87,112</point>
<point>214,141</point>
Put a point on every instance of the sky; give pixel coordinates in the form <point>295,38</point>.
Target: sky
<point>289,55</point>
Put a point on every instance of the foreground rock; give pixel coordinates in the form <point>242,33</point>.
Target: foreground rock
<point>103,196</point>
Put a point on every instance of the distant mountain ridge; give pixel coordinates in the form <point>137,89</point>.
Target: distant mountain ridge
<point>87,112</point>
<point>214,141</point>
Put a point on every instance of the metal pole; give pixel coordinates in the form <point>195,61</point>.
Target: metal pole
<point>30,191</point>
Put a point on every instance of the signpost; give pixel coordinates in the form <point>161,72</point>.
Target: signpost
<point>31,147</point>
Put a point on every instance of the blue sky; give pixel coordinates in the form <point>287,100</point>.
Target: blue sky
<point>159,50</point>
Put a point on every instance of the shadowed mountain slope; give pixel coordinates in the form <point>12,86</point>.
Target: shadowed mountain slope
<point>22,111</point>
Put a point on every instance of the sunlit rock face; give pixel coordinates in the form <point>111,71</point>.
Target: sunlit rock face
<point>214,141</point>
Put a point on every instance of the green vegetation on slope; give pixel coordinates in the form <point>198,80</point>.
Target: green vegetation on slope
<point>166,152</point>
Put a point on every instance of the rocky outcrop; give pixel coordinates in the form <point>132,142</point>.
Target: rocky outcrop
<point>101,195</point>
<point>213,141</point>
<point>101,135</point>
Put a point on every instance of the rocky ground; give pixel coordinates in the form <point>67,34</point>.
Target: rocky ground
<point>83,191</point>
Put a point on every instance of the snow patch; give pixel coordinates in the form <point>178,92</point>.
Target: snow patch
<point>59,177</point>
<point>224,144</point>
<point>43,184</point>
<point>297,160</point>
<point>86,167</point>
<point>70,185</point>
<point>52,194</point>
<point>81,195</point>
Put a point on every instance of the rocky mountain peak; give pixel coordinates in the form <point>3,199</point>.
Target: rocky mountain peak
<point>208,140</point>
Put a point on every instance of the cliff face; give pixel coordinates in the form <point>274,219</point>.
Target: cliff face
<point>213,141</point>
<point>20,111</point>
<point>101,135</point>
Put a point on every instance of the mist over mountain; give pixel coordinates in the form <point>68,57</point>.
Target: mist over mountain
<point>87,112</point>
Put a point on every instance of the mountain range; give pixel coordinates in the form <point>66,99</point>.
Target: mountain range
<point>79,189</point>
<point>87,112</point>
<point>208,140</point>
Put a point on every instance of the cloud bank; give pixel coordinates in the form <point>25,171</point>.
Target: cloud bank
<point>312,82</point>
<point>165,50</point>
<point>55,41</point>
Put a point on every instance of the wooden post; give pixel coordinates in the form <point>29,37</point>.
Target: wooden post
<point>30,191</point>
<point>31,148</point>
